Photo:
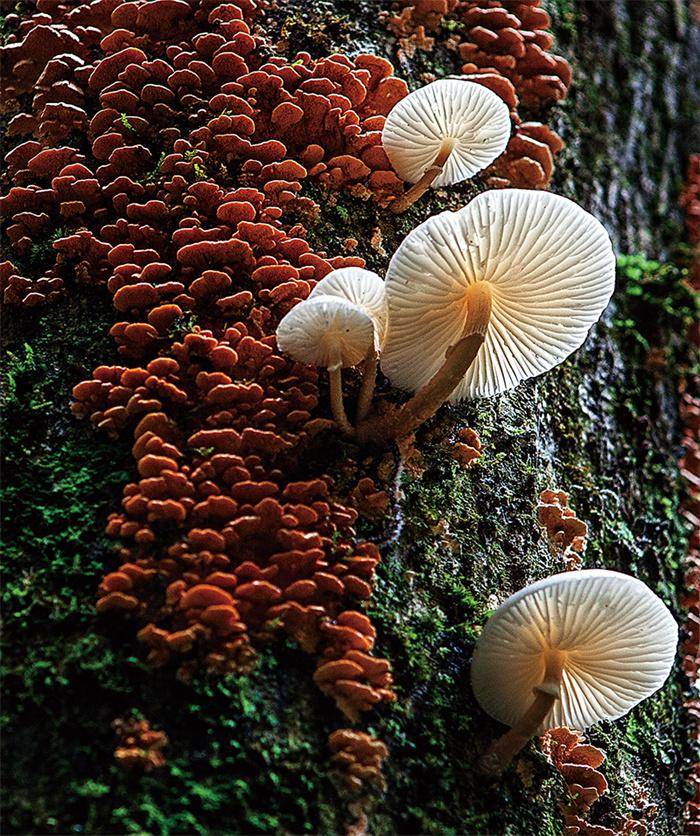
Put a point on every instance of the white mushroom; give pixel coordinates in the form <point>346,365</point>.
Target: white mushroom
<point>331,332</point>
<point>366,289</point>
<point>483,298</point>
<point>444,133</point>
<point>362,287</point>
<point>570,650</point>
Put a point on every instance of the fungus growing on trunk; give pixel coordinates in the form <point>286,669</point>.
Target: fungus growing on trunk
<point>483,298</point>
<point>331,332</point>
<point>444,133</point>
<point>570,650</point>
<point>366,289</point>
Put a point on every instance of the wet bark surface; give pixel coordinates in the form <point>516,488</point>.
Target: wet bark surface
<point>249,754</point>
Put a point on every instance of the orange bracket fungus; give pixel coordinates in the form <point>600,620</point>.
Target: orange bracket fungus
<point>578,763</point>
<point>467,449</point>
<point>139,746</point>
<point>566,533</point>
<point>483,298</point>
<point>444,133</point>
<point>570,650</point>
<point>357,758</point>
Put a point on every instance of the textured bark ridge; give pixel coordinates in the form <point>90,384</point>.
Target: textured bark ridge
<point>250,753</point>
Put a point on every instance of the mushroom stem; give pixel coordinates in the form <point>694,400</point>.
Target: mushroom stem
<point>502,751</point>
<point>429,176</point>
<point>337,405</point>
<point>369,379</point>
<point>430,397</point>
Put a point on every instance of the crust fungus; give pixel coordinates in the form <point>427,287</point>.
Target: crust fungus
<point>444,133</point>
<point>570,650</point>
<point>483,298</point>
<point>366,289</point>
<point>331,332</point>
<point>139,746</point>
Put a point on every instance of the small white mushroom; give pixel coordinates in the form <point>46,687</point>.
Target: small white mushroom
<point>363,288</point>
<point>366,289</point>
<point>570,650</point>
<point>483,298</point>
<point>444,133</point>
<point>331,332</point>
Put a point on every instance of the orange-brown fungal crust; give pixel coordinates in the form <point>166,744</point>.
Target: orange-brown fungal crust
<point>566,533</point>
<point>578,763</point>
<point>168,108</point>
<point>505,45</point>
<point>357,758</point>
<point>411,22</point>
<point>467,450</point>
<point>139,747</point>
<point>163,155</point>
<point>371,501</point>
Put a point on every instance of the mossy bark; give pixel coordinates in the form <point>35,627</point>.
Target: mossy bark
<point>249,754</point>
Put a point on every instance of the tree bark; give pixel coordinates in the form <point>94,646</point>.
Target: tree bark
<point>250,754</point>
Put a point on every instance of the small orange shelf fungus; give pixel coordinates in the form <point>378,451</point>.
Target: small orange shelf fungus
<point>359,757</point>
<point>566,533</point>
<point>139,746</point>
<point>570,650</point>
<point>444,133</point>
<point>467,449</point>
<point>484,298</point>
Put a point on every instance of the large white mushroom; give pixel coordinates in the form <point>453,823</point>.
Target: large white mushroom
<point>483,298</point>
<point>444,133</point>
<point>331,332</point>
<point>366,289</point>
<point>570,650</point>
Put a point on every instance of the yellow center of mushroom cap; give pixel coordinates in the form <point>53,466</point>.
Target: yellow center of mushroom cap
<point>477,306</point>
<point>554,663</point>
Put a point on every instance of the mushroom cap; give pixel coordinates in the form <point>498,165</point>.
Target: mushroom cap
<point>617,637</point>
<point>551,270</point>
<point>474,116</point>
<point>326,331</point>
<point>362,287</point>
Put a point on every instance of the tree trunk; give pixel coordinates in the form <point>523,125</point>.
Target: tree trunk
<point>249,753</point>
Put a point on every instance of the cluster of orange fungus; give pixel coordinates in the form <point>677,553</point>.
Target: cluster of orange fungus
<point>566,533</point>
<point>357,758</point>
<point>370,500</point>
<point>467,449</point>
<point>155,130</point>
<point>578,763</point>
<point>139,747</point>
<point>160,149</point>
<point>411,22</point>
<point>504,45</point>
